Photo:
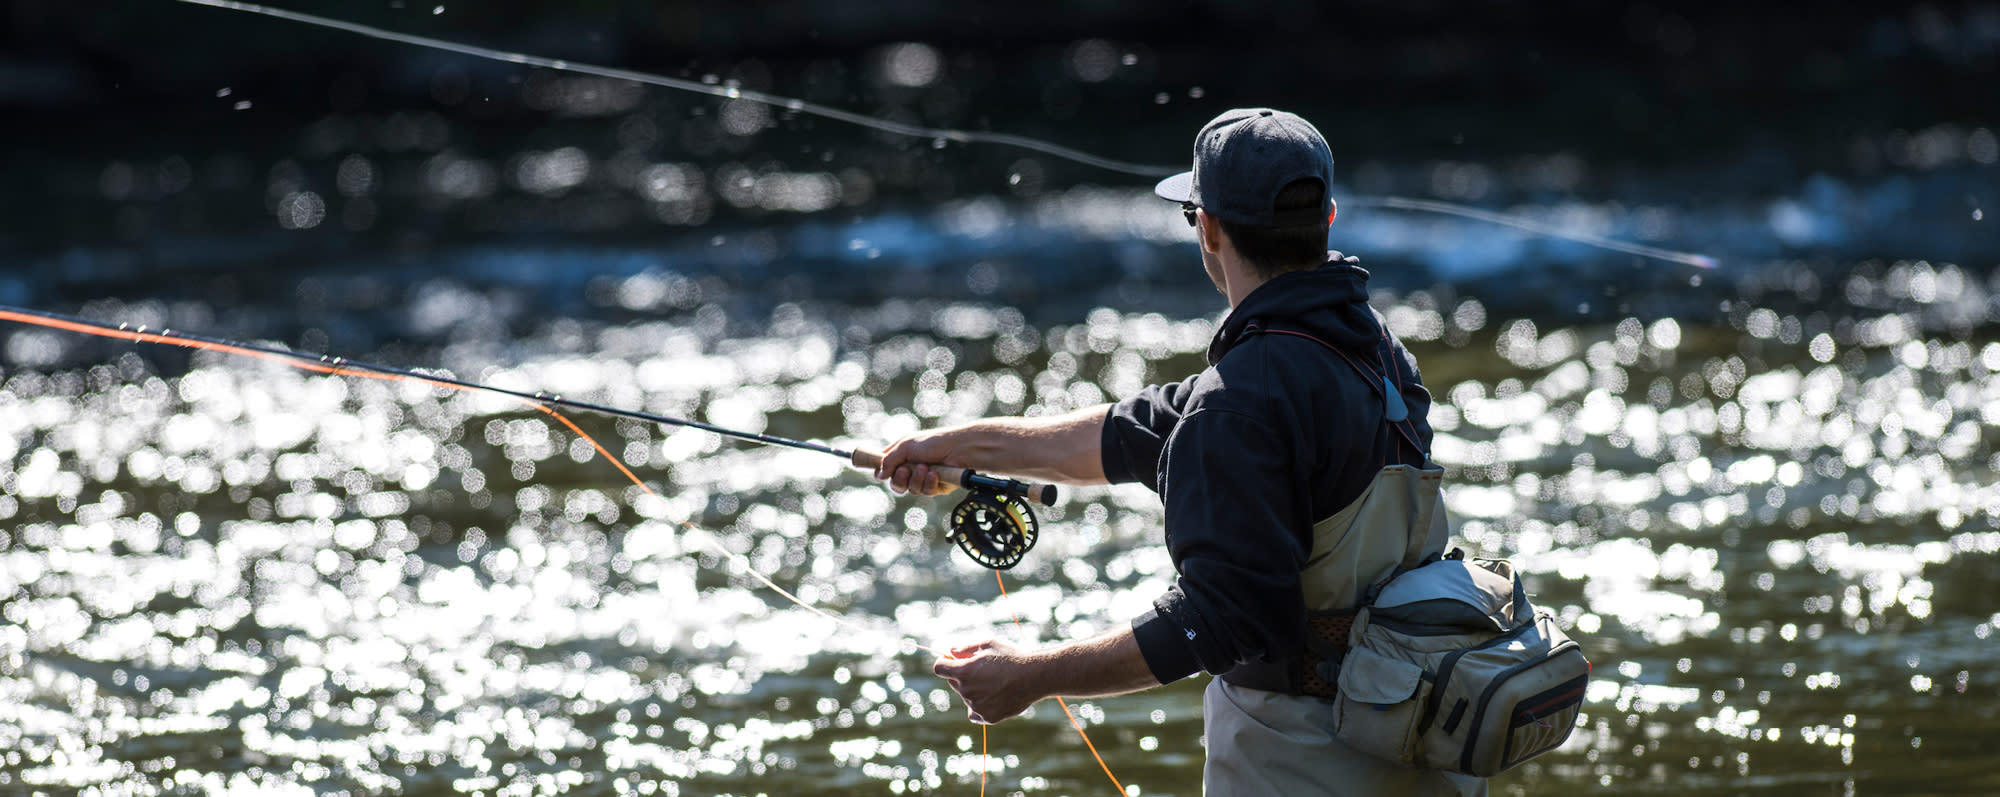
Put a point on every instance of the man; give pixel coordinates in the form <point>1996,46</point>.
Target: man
<point>1289,424</point>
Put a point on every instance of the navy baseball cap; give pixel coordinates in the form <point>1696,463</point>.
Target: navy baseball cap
<point>1243,157</point>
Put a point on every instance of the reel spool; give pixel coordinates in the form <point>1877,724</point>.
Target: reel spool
<point>996,529</point>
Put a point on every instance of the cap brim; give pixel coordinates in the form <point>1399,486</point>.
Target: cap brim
<point>1178,188</point>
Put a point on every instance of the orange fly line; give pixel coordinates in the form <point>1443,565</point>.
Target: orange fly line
<point>332,366</point>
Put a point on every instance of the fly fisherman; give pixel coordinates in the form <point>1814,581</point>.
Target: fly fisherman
<point>1254,459</point>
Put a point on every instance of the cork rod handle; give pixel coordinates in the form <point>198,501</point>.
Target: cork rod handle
<point>1044,494</point>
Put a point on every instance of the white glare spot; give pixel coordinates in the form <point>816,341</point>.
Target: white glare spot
<point>1664,334</point>
<point>463,179</point>
<point>301,210</point>
<point>744,117</point>
<point>1469,316</point>
<point>1093,61</point>
<point>356,176</point>
<point>1982,146</point>
<point>911,64</point>
<point>553,172</point>
<point>34,349</point>
<point>796,192</point>
<point>669,182</point>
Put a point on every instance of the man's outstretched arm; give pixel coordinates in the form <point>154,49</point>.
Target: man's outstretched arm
<point>1065,448</point>
<point>997,681</point>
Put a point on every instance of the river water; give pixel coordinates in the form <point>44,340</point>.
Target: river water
<point>1770,524</point>
<point>1762,497</point>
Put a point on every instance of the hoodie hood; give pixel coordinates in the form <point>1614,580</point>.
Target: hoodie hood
<point>1329,302</point>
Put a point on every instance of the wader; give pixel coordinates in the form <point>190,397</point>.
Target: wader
<point>1263,739</point>
<point>1270,725</point>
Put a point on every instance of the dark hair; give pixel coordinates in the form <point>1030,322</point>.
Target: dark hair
<point>1276,250</point>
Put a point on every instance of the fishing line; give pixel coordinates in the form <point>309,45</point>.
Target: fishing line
<point>709,539</point>
<point>994,548</point>
<point>935,133</point>
<point>726,92</point>
<point>335,366</point>
<point>1059,701</point>
<point>999,549</point>
<point>993,524</point>
<point>1531,226</point>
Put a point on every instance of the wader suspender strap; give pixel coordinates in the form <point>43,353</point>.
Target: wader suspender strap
<point>1375,379</point>
<point>1316,673</point>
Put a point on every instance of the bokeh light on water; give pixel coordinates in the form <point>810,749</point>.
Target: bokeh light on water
<point>1762,496</point>
<point>1774,533</point>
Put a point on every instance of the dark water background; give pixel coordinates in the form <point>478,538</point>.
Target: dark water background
<point>1761,495</point>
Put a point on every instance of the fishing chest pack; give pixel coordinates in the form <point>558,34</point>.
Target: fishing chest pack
<point>1449,667</point>
<point>1431,660</point>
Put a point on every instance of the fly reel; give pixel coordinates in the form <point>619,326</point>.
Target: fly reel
<point>994,528</point>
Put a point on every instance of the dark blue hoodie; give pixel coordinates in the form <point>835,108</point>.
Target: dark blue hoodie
<point>1277,433</point>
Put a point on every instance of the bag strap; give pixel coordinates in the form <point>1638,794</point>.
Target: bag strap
<point>1376,380</point>
<point>1522,611</point>
<point>1392,400</point>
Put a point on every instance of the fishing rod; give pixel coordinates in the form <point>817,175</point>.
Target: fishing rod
<point>994,524</point>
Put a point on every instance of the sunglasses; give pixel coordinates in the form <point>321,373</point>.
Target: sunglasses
<point>1187,212</point>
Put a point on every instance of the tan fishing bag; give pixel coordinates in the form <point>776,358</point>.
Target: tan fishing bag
<point>1450,668</point>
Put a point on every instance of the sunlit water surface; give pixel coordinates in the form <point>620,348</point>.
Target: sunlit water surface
<point>1772,528</point>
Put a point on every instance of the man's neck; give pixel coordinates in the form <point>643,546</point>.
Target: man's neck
<point>1242,281</point>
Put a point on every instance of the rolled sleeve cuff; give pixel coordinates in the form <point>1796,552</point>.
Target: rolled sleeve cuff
<point>1111,448</point>
<point>1165,645</point>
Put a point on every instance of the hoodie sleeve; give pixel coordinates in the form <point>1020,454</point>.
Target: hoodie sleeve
<point>1230,493</point>
<point>1136,430</point>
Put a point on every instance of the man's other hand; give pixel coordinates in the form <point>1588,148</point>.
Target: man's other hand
<point>996,681</point>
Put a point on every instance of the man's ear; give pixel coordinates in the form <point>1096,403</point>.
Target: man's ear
<point>1210,232</point>
<point>1332,210</point>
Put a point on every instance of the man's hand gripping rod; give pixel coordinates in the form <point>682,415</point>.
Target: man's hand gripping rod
<point>1044,494</point>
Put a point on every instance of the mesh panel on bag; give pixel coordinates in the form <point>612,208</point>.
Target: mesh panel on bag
<point>1326,640</point>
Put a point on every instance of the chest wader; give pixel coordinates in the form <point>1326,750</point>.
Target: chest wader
<point>1431,660</point>
<point>1355,548</point>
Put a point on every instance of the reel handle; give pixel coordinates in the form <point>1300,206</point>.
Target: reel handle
<point>1044,494</point>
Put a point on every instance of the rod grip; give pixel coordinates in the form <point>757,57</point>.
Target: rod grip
<point>1044,494</point>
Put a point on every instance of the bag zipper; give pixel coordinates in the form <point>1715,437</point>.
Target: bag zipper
<point>1524,715</point>
<point>1444,675</point>
<point>1479,715</point>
